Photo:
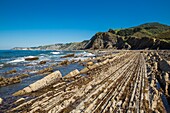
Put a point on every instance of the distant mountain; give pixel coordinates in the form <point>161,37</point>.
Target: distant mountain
<point>146,36</point>
<point>67,46</point>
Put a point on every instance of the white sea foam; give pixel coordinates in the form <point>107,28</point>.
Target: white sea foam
<point>42,58</point>
<point>55,53</point>
<point>21,59</point>
<point>1,65</point>
<point>33,72</point>
<point>79,58</point>
<point>17,60</point>
<point>89,55</point>
<point>30,56</point>
<point>43,54</point>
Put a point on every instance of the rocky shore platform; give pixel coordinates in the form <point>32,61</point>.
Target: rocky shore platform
<point>114,81</point>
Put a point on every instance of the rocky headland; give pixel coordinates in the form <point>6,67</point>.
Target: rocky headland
<point>146,36</point>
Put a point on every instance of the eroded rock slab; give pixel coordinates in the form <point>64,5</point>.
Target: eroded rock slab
<point>46,81</point>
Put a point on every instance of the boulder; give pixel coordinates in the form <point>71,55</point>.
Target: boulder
<point>68,55</point>
<point>9,81</point>
<point>99,64</point>
<point>51,78</point>
<point>42,62</point>
<point>65,62</point>
<point>19,101</point>
<point>31,58</point>
<point>106,61</point>
<point>20,92</point>
<point>27,90</point>
<point>89,63</point>
<point>23,75</point>
<point>93,66</point>
<point>85,70</point>
<point>111,60</point>
<point>45,70</point>
<point>46,81</point>
<point>37,85</point>
<point>72,74</point>
<point>11,71</point>
<point>164,66</point>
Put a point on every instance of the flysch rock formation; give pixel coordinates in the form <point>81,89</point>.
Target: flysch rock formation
<point>129,81</point>
<point>46,81</point>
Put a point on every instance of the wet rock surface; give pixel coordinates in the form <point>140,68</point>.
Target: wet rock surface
<point>11,71</point>
<point>31,58</point>
<point>46,81</point>
<point>128,81</point>
<point>9,81</point>
<point>45,70</point>
<point>42,62</point>
<point>68,55</point>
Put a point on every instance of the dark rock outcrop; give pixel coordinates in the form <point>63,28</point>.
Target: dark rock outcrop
<point>11,71</point>
<point>9,81</point>
<point>31,58</point>
<point>45,70</point>
<point>147,43</point>
<point>145,36</point>
<point>68,55</point>
<point>42,62</point>
<point>105,40</point>
<point>164,66</point>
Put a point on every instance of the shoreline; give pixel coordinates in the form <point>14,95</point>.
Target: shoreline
<point>97,69</point>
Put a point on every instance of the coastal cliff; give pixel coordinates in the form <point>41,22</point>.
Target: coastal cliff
<point>145,36</point>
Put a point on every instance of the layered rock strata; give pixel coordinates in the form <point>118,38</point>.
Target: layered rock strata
<point>123,82</point>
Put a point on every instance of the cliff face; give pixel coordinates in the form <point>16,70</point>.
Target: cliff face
<point>106,40</point>
<point>145,36</point>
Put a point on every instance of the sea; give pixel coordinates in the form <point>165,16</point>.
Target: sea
<point>15,60</point>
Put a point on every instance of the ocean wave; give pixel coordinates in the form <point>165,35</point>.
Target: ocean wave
<point>43,54</point>
<point>89,55</point>
<point>81,53</point>
<point>30,57</point>
<point>78,58</point>
<point>17,60</point>
<point>1,65</point>
<point>21,59</point>
<point>55,53</point>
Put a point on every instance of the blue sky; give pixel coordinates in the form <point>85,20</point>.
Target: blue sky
<point>39,22</point>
